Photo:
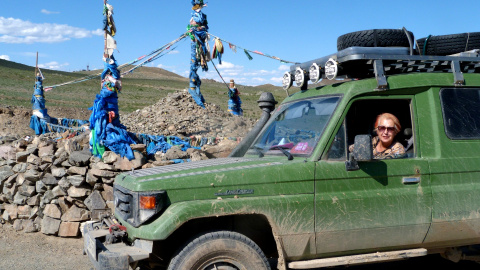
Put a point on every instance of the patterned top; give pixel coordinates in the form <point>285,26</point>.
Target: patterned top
<point>395,150</point>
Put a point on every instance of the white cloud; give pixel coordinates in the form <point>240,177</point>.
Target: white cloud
<point>259,73</point>
<point>227,65</point>
<point>16,31</point>
<point>54,65</point>
<point>259,80</point>
<point>231,74</point>
<point>276,80</point>
<point>33,54</point>
<point>164,67</point>
<point>173,52</point>
<point>242,76</point>
<point>98,32</point>
<point>5,57</point>
<point>48,12</point>
<point>227,70</point>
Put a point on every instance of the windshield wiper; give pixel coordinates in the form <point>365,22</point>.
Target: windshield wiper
<point>282,149</point>
<point>259,150</point>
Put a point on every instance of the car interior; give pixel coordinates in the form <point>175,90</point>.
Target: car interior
<point>361,118</point>
<point>363,113</point>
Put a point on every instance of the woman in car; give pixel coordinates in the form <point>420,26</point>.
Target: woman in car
<point>384,144</point>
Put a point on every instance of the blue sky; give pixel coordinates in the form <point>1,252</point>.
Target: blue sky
<point>67,34</point>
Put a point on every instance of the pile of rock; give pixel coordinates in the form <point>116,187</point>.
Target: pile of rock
<point>178,115</point>
<point>52,183</point>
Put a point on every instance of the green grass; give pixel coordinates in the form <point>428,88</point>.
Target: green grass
<point>17,85</point>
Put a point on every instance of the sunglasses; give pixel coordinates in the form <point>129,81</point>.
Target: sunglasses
<point>383,128</point>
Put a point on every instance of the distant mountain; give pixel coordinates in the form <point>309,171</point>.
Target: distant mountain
<point>268,87</point>
<point>5,64</point>
<point>139,73</point>
<point>143,87</point>
<point>151,73</point>
<point>10,64</point>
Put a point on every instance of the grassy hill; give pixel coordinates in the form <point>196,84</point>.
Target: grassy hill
<point>142,88</point>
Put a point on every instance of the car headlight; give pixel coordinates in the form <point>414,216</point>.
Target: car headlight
<point>149,204</point>
<point>138,207</point>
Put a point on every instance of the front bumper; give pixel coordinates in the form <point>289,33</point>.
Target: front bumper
<point>116,256</point>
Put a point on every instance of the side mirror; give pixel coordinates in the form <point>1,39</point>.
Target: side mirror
<point>362,151</point>
<point>363,148</point>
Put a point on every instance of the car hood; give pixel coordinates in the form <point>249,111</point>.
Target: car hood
<point>224,176</point>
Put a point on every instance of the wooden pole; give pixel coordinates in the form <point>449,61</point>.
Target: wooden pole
<point>105,54</point>
<point>36,68</point>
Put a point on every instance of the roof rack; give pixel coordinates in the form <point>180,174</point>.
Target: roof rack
<point>379,62</point>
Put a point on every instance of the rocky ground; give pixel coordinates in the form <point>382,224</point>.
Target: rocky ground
<point>178,115</point>
<point>15,121</point>
<point>175,115</point>
<point>35,251</point>
<point>47,186</point>
<point>50,184</point>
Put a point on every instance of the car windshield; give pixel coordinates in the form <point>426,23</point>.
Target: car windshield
<point>295,128</point>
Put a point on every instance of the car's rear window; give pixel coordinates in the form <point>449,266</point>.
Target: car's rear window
<point>461,112</point>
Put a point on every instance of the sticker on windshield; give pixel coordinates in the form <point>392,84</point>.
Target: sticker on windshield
<point>301,148</point>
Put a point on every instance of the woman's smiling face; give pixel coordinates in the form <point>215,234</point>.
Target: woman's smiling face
<point>386,131</point>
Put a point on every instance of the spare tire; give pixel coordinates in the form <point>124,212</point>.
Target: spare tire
<point>374,38</point>
<point>448,44</point>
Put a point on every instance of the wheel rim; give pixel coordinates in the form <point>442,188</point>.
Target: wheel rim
<point>221,264</point>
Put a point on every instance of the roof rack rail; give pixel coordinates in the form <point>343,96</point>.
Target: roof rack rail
<point>379,62</point>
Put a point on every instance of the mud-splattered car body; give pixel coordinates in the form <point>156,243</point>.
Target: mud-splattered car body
<point>313,205</point>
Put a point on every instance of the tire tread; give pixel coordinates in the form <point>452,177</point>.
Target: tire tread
<point>218,235</point>
<point>449,44</point>
<point>374,38</point>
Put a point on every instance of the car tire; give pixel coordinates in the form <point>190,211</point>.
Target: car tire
<point>374,38</point>
<point>222,250</point>
<point>448,44</point>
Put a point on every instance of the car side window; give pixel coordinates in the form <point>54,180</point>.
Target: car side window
<point>337,149</point>
<point>461,113</point>
<point>360,120</point>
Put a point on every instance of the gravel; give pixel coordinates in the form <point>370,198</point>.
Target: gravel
<point>33,251</point>
<point>178,115</point>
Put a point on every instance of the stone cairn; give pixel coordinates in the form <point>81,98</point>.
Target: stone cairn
<point>52,183</point>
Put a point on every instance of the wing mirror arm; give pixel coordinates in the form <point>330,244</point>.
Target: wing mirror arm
<point>362,151</point>
<point>351,164</point>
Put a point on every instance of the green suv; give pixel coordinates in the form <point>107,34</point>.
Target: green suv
<point>294,195</point>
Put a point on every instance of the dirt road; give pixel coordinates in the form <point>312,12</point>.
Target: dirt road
<point>21,251</point>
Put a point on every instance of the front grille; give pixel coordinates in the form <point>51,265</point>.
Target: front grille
<point>123,202</point>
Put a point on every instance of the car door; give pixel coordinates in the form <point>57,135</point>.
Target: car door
<point>384,204</point>
<point>454,144</point>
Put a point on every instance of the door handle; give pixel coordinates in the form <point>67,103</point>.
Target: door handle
<point>410,180</point>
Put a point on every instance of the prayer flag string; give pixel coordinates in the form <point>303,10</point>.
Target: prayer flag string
<point>155,54</point>
<point>234,49</point>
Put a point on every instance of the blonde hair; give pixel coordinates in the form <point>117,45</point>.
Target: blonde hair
<point>389,116</point>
